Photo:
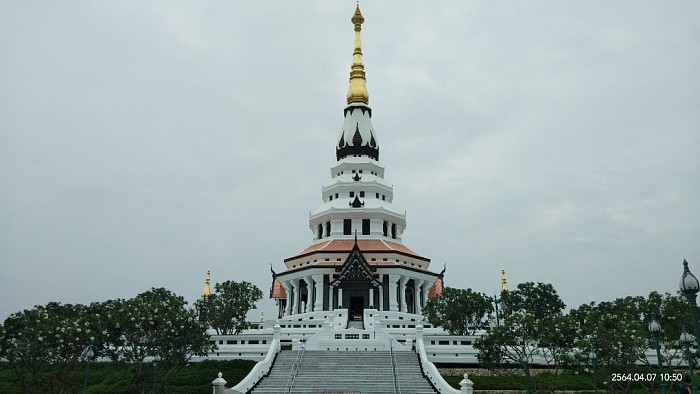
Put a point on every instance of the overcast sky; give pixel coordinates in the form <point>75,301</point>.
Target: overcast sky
<point>142,143</point>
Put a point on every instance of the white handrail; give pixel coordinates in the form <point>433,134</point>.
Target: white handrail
<point>397,386</point>
<point>262,368</point>
<point>295,370</point>
<point>429,370</point>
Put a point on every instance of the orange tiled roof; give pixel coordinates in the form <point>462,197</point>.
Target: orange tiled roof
<point>366,246</point>
<point>436,290</point>
<point>277,290</point>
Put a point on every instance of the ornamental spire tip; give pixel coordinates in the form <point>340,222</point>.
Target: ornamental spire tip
<point>357,92</point>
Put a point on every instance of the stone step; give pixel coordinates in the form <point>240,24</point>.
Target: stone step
<point>364,372</point>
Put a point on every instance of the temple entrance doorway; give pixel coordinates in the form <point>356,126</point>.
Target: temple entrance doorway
<point>357,308</point>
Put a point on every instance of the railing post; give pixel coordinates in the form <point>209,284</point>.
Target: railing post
<point>467,386</point>
<point>276,333</point>
<point>219,384</point>
<point>419,332</point>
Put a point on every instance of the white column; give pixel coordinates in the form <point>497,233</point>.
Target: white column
<point>309,294</point>
<point>416,292</point>
<point>402,292</point>
<point>340,297</point>
<point>371,297</point>
<point>288,305</point>
<point>295,302</point>
<point>393,303</point>
<point>318,292</point>
<point>426,289</point>
<point>331,298</point>
<point>381,298</point>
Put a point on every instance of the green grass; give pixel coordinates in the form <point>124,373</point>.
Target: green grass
<point>113,378</point>
<point>194,378</point>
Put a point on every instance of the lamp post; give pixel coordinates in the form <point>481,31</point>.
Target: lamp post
<point>87,355</point>
<point>156,358</point>
<point>526,358</point>
<point>689,286</point>
<point>593,358</point>
<point>655,329</point>
<point>685,339</point>
<point>525,368</point>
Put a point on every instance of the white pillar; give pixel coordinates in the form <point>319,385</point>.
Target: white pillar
<point>295,301</point>
<point>331,298</point>
<point>288,305</point>
<point>417,283</point>
<point>309,294</point>
<point>393,303</point>
<point>426,289</point>
<point>402,292</point>
<point>381,298</point>
<point>340,297</point>
<point>318,292</point>
<point>371,297</point>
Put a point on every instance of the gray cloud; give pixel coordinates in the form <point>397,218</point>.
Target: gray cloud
<point>145,143</point>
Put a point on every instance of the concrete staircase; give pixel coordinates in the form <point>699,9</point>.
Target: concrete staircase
<point>348,372</point>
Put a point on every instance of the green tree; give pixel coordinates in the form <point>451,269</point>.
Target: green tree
<point>157,333</point>
<point>459,311</point>
<point>46,345</point>
<point>225,310</point>
<point>617,330</point>
<point>538,299</point>
<point>533,314</point>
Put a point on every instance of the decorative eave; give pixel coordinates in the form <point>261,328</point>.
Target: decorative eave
<point>356,268</point>
<point>436,289</point>
<point>376,266</point>
<point>277,291</point>
<point>367,245</point>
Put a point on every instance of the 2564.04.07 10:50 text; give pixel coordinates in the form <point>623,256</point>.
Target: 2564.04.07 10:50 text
<point>647,377</point>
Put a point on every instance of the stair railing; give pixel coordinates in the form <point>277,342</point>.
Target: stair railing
<point>295,370</point>
<point>397,386</point>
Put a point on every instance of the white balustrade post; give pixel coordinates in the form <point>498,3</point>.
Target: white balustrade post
<point>466,385</point>
<point>276,333</point>
<point>419,333</point>
<point>219,384</point>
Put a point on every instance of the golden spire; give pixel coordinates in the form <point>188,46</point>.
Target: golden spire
<point>358,89</point>
<point>207,285</point>
<point>504,281</point>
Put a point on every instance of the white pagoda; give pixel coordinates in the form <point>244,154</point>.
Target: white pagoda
<point>356,261</point>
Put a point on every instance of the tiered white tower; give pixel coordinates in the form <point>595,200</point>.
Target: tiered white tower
<point>357,260</point>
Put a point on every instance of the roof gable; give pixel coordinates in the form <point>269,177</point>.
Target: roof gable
<point>356,268</point>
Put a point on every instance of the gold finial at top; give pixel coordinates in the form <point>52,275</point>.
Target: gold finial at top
<point>504,281</point>
<point>207,285</point>
<point>357,18</point>
<point>357,92</point>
